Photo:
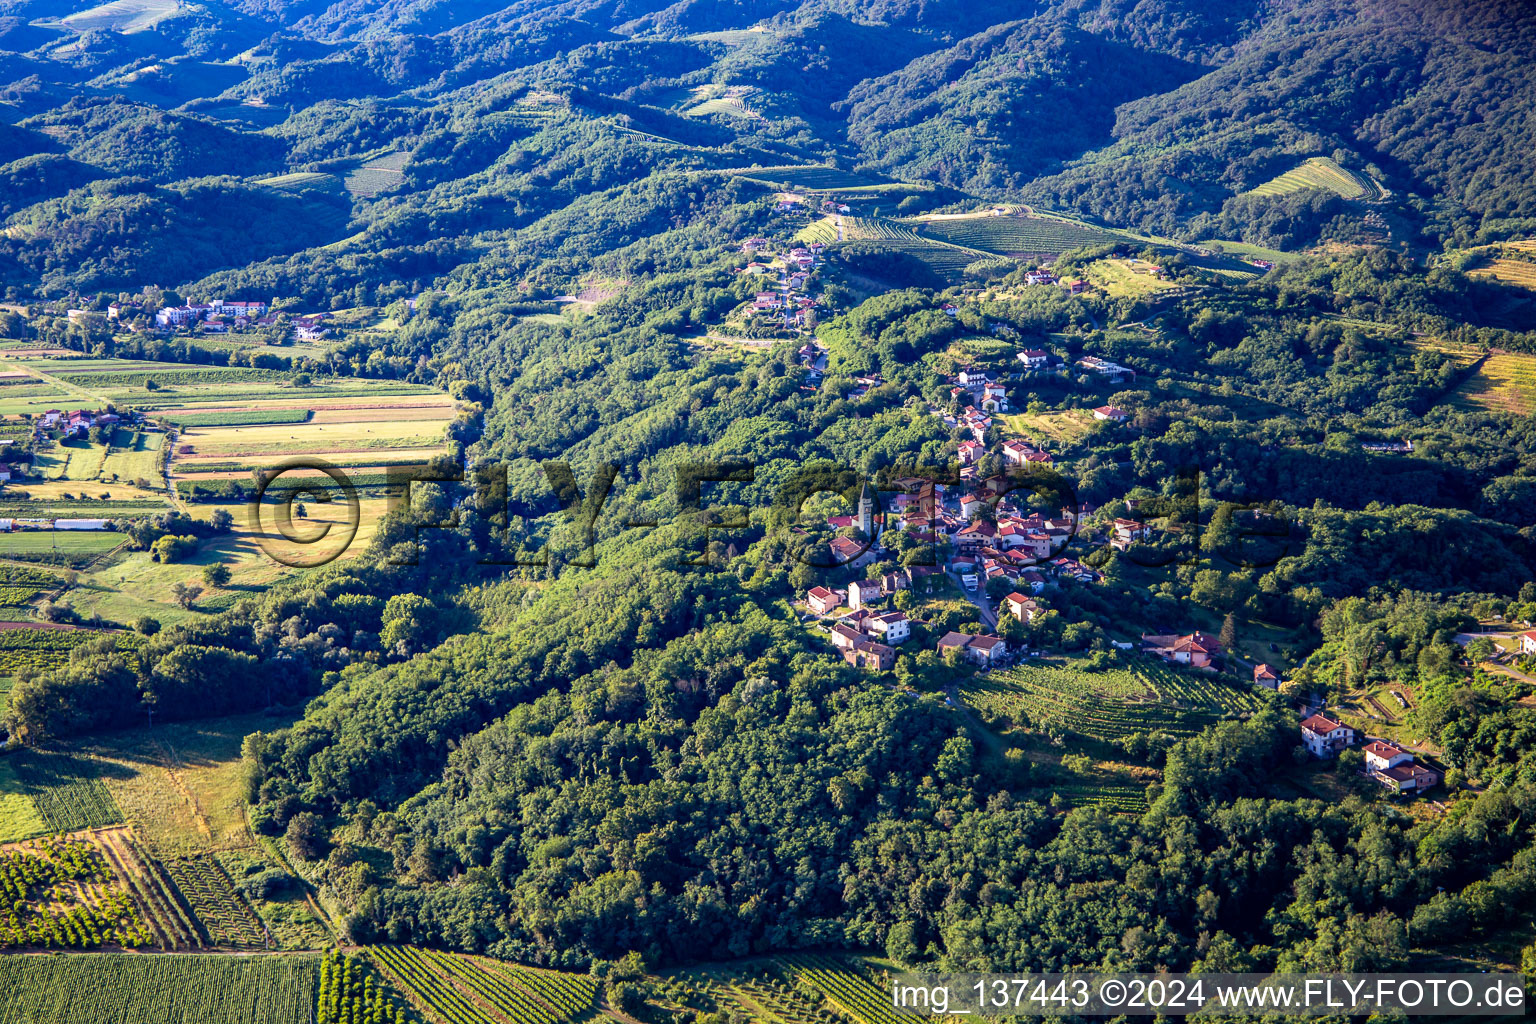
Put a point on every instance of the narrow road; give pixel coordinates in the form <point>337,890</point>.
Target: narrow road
<point>979,600</point>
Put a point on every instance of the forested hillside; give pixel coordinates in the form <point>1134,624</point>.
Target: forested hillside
<point>1233,303</point>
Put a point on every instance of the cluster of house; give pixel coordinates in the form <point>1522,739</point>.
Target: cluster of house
<point>1010,544</point>
<point>74,424</point>
<point>1389,447</point>
<point>218,316</point>
<point>1387,763</point>
<point>978,386</point>
<point>788,304</point>
<point>866,636</point>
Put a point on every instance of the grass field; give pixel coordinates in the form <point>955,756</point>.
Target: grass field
<point>1513,264</point>
<point>1319,172</point>
<point>110,988</point>
<point>1125,278</point>
<point>19,817</point>
<point>1063,427</point>
<point>56,547</point>
<point>1504,383</point>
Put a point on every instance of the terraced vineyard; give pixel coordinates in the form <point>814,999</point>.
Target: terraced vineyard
<point>1108,705</point>
<point>1015,235</point>
<point>212,898</point>
<point>1504,383</point>
<point>1319,172</point>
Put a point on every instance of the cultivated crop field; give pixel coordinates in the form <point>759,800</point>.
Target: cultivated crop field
<point>229,920</point>
<point>20,584</point>
<point>42,647</point>
<point>68,790</point>
<point>167,989</point>
<point>62,894</point>
<point>476,990</point>
<point>378,175</point>
<point>1110,704</point>
<point>1013,235</point>
<point>1319,172</point>
<point>235,417</point>
<point>1504,383</point>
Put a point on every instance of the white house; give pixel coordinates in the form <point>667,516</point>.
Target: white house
<point>892,628</point>
<point>1528,642</point>
<point>1325,737</point>
<point>1393,767</point>
<point>1034,358</point>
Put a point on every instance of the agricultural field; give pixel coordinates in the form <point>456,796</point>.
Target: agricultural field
<point>475,990</point>
<point>39,646</point>
<point>168,989</point>
<point>206,887</point>
<point>710,99</point>
<point>20,585</point>
<point>945,259</point>
<point>796,989</point>
<point>19,818</point>
<point>181,787</point>
<point>1063,427</point>
<point>236,417</point>
<point>350,991</point>
<point>1016,235</point>
<point>1125,278</point>
<point>1320,172</point>
<point>125,16</point>
<point>377,175</point>
<point>1108,705</point>
<point>69,791</point>
<point>62,894</point>
<point>1505,382</point>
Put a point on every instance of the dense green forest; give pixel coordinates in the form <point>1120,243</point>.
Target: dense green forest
<point>503,742</point>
